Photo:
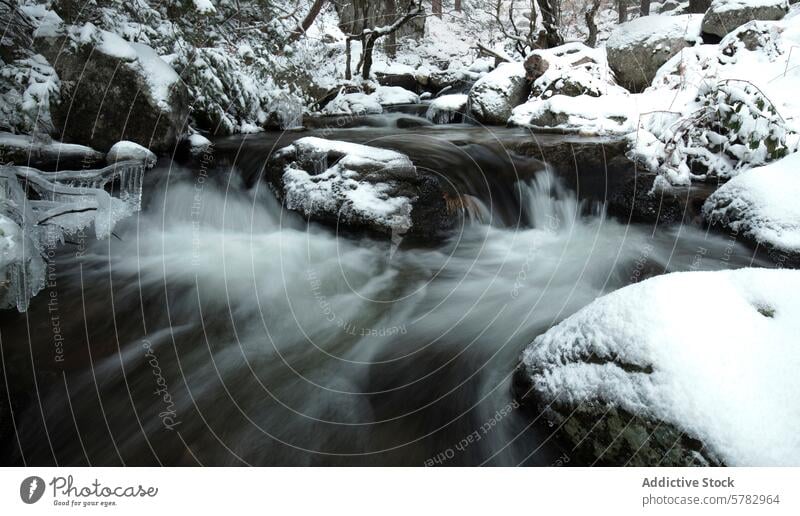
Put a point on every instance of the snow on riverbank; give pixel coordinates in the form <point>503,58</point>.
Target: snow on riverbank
<point>724,371</point>
<point>762,204</point>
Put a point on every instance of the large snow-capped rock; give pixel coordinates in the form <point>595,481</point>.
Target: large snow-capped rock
<point>359,187</point>
<point>113,90</point>
<point>637,49</point>
<point>762,204</point>
<point>496,94</point>
<point>686,368</point>
<point>568,82</point>
<point>723,16</point>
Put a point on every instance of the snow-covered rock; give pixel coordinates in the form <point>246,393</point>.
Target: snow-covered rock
<point>358,187</point>
<point>686,368</point>
<point>571,69</point>
<point>723,16</point>
<point>761,204</point>
<point>637,49</point>
<point>198,144</point>
<point>585,114</point>
<point>568,82</point>
<point>360,103</point>
<point>113,90</point>
<point>494,96</point>
<point>130,151</point>
<point>394,95</point>
<point>447,108</point>
<point>357,103</point>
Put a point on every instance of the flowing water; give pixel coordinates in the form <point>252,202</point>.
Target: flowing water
<point>216,328</point>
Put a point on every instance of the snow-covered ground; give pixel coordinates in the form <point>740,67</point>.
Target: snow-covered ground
<point>713,353</point>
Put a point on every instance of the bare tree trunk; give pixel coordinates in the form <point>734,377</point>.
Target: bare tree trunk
<point>458,5</point>
<point>549,10</point>
<point>390,46</point>
<point>622,10</point>
<point>347,74</point>
<point>436,8</point>
<point>644,8</point>
<point>589,15</point>
<point>369,45</point>
<point>316,7</point>
<point>370,36</point>
<point>699,6</point>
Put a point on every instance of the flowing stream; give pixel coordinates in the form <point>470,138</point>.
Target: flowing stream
<point>216,328</point>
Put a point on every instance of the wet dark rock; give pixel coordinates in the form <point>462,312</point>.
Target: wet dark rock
<point>637,201</point>
<point>114,91</point>
<point>597,434</point>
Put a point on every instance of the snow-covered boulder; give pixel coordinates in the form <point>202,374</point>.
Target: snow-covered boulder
<point>356,103</point>
<point>494,96</point>
<point>637,49</point>
<point>447,108</point>
<point>130,151</point>
<point>686,368</point>
<point>723,16</point>
<point>198,144</point>
<point>358,187</point>
<point>113,90</point>
<point>394,96</point>
<point>360,103</point>
<point>571,69</point>
<point>761,204</point>
<point>585,114</point>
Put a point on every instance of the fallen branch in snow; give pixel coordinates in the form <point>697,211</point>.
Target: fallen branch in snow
<point>484,50</point>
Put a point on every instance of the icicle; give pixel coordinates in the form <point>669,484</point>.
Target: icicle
<point>69,201</point>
